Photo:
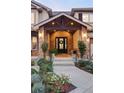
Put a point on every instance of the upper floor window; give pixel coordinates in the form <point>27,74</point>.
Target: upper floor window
<point>88,17</point>
<point>85,17</point>
<point>32,17</point>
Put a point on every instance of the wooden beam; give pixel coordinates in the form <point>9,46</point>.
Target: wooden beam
<point>62,28</point>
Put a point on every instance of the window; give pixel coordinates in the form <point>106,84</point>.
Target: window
<point>80,16</point>
<point>34,42</point>
<point>61,43</point>
<point>88,17</point>
<point>85,17</point>
<point>32,18</point>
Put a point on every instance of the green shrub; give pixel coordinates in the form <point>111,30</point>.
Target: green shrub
<point>32,63</point>
<point>87,65</point>
<point>41,85</point>
<point>35,78</point>
<point>45,66</point>
<point>55,82</point>
<point>41,61</point>
<point>82,48</point>
<point>44,47</point>
<point>55,51</point>
<point>83,63</point>
<point>38,88</point>
<point>33,71</point>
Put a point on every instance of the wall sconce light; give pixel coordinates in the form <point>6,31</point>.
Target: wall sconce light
<point>72,23</point>
<point>40,35</point>
<point>84,35</point>
<point>54,30</point>
<point>53,23</point>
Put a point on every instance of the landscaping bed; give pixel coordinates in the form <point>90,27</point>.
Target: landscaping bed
<point>46,81</point>
<point>85,65</point>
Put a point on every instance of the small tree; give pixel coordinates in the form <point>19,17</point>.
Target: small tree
<point>44,47</point>
<point>82,48</point>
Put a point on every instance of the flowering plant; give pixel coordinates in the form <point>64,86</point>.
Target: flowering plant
<point>57,83</point>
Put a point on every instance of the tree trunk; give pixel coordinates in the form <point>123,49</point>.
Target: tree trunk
<point>81,55</point>
<point>44,55</point>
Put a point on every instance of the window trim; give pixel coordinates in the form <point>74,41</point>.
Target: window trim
<point>80,16</point>
<point>89,17</point>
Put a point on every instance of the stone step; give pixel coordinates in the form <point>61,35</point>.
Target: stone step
<point>63,63</point>
<point>63,59</point>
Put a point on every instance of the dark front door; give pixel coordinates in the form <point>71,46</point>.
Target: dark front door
<point>61,44</point>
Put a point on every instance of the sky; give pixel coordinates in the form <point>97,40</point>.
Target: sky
<point>66,5</point>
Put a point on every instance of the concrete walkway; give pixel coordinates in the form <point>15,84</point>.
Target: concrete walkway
<point>81,79</point>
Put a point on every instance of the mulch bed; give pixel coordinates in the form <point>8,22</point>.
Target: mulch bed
<point>83,68</point>
<point>71,87</point>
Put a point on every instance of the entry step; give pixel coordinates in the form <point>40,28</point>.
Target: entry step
<point>63,62</point>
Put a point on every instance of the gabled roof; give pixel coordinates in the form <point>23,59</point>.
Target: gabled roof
<point>54,13</point>
<point>63,14</point>
<point>39,5</point>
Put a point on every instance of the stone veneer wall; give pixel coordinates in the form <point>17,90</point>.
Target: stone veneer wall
<point>34,52</point>
<point>75,40</point>
<point>62,34</point>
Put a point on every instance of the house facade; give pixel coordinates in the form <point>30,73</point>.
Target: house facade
<point>61,29</point>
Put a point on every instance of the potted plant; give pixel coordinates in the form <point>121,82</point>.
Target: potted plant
<point>52,53</point>
<point>44,47</point>
<point>82,48</point>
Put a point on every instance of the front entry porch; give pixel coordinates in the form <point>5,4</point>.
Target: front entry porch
<point>61,32</point>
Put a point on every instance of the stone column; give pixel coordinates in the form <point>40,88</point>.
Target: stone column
<point>41,40</point>
<point>46,39</point>
<point>84,37</point>
<point>80,35</point>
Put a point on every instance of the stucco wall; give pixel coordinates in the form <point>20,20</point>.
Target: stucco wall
<point>34,52</point>
<point>43,15</point>
<point>76,15</point>
<point>39,16</point>
<point>35,11</point>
